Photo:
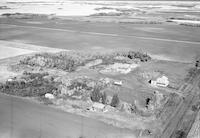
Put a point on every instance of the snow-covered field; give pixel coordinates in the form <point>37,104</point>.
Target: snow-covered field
<point>187,21</point>
<point>11,49</point>
<point>85,8</point>
<point>6,52</point>
<point>61,9</point>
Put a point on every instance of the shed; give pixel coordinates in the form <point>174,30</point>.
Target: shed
<point>49,96</point>
<point>10,79</point>
<point>118,83</point>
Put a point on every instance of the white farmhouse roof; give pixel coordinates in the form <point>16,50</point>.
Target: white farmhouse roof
<point>162,81</point>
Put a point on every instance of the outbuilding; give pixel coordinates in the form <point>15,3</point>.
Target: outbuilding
<point>49,96</point>
<point>162,81</point>
<point>119,83</point>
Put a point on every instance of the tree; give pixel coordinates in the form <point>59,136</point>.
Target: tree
<point>196,106</point>
<point>95,95</point>
<point>115,100</point>
<point>133,108</point>
<point>104,97</point>
<point>180,134</point>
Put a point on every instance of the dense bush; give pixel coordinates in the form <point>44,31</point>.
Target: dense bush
<point>69,61</point>
<point>78,85</point>
<point>191,73</point>
<point>194,71</point>
<point>50,61</point>
<point>30,84</point>
<point>173,100</point>
<point>196,107</point>
<point>133,108</point>
<point>10,14</point>
<point>180,134</point>
<point>143,57</point>
<point>115,100</point>
<point>98,96</point>
<point>95,94</point>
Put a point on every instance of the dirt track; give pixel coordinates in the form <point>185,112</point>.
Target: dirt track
<point>178,115</point>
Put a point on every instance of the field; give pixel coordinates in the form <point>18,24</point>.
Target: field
<point>33,120</point>
<point>168,41</point>
<point>163,29</point>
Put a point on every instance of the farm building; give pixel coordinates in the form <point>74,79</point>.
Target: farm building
<point>49,96</point>
<point>162,81</point>
<point>119,83</point>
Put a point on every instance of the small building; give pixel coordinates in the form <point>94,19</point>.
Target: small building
<point>49,96</point>
<point>10,80</point>
<point>98,107</point>
<point>162,81</point>
<point>119,83</point>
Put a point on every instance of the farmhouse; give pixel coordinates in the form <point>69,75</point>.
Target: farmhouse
<point>197,64</point>
<point>162,81</point>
